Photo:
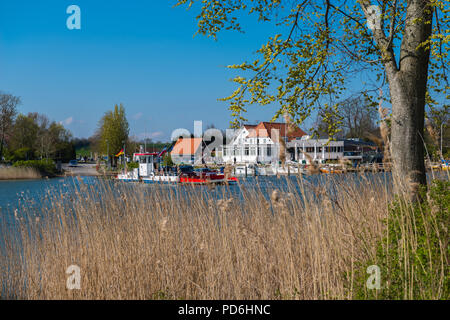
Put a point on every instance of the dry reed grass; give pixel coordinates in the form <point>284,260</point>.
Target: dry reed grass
<point>295,244</point>
<point>11,173</point>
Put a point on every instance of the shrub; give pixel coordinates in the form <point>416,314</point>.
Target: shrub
<point>22,154</point>
<point>45,167</point>
<point>413,255</point>
<point>130,166</point>
<point>167,160</point>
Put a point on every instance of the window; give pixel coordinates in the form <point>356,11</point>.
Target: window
<point>269,151</point>
<point>252,151</point>
<point>246,151</point>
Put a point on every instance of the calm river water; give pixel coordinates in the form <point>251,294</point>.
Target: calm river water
<point>13,194</point>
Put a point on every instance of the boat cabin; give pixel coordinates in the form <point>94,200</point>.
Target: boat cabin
<point>148,163</point>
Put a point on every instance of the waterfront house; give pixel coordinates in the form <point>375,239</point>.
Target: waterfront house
<point>305,149</point>
<point>260,143</point>
<point>187,151</point>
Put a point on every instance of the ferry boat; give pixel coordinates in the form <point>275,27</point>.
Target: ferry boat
<point>149,172</point>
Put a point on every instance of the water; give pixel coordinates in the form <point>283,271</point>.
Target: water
<point>14,194</point>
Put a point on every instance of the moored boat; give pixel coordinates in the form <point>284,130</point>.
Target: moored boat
<point>149,171</point>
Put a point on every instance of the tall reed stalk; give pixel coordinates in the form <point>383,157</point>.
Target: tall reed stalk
<point>139,242</point>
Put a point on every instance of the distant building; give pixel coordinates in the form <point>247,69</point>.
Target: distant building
<point>259,143</point>
<point>322,150</point>
<point>187,151</point>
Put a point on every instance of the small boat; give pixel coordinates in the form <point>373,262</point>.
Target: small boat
<point>204,176</point>
<point>330,170</point>
<point>149,172</point>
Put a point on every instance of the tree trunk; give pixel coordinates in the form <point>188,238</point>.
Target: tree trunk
<point>408,87</point>
<point>2,142</point>
<point>407,145</point>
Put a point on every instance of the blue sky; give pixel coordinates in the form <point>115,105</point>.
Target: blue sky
<point>139,53</point>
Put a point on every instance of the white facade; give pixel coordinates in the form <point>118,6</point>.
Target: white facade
<point>321,150</point>
<point>317,150</point>
<point>245,149</point>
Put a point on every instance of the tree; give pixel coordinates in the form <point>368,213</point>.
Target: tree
<point>33,135</point>
<point>8,111</point>
<point>24,134</point>
<point>113,131</point>
<point>328,125</point>
<point>437,134</point>
<point>321,44</point>
<point>357,118</point>
<point>59,145</point>
<point>167,160</point>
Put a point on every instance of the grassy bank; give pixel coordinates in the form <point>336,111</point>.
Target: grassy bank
<point>309,242</point>
<point>13,173</point>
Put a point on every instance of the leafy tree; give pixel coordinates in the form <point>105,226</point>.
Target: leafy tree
<point>24,133</point>
<point>61,147</point>
<point>33,135</point>
<point>319,45</point>
<point>8,111</point>
<point>113,131</point>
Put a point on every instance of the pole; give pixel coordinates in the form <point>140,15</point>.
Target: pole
<point>442,155</point>
<point>125,156</point>
<point>107,153</point>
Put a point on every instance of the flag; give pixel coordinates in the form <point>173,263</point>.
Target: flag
<point>166,149</point>
<point>162,152</point>
<point>120,153</point>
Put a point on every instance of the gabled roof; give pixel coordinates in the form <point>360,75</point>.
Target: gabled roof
<point>186,146</point>
<point>264,129</point>
<point>250,126</point>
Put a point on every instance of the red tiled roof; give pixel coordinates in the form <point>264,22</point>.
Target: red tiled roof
<point>264,129</point>
<point>186,146</point>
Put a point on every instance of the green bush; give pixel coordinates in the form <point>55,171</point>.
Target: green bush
<point>130,166</point>
<point>45,167</point>
<point>22,154</point>
<point>167,160</point>
<point>413,256</point>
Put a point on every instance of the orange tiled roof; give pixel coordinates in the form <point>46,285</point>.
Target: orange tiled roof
<point>186,146</point>
<point>264,129</point>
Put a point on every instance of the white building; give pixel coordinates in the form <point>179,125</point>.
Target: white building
<point>259,143</point>
<point>304,150</point>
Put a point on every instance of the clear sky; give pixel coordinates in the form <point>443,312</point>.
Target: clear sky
<point>139,53</point>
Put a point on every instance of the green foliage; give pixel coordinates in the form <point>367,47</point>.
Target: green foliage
<point>22,154</point>
<point>45,167</point>
<point>83,152</point>
<point>318,47</point>
<point>34,136</point>
<point>24,133</point>
<point>413,256</point>
<point>130,166</point>
<point>113,130</point>
<point>167,160</point>
<point>8,111</point>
